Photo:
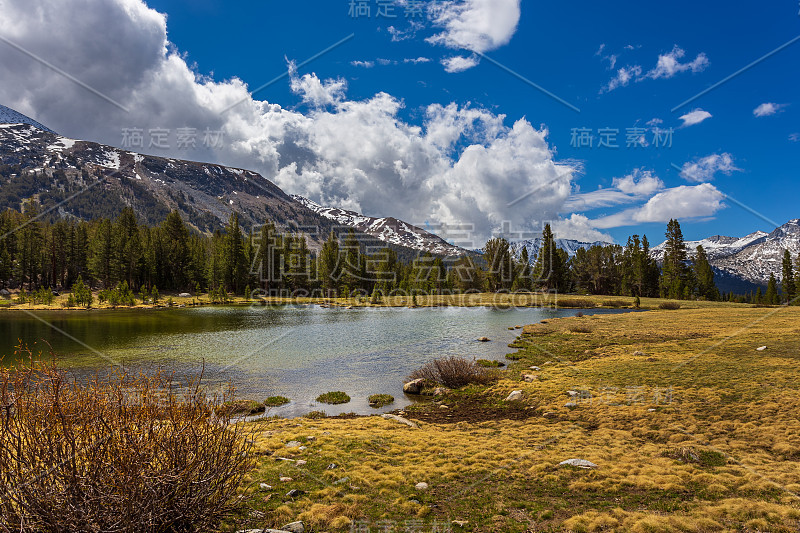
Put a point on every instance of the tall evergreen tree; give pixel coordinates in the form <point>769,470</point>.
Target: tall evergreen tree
<point>704,276</point>
<point>787,281</point>
<point>550,271</point>
<point>499,264</point>
<point>674,274</point>
<point>329,268</point>
<point>771,297</point>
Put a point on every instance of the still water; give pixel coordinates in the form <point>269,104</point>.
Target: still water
<point>297,351</point>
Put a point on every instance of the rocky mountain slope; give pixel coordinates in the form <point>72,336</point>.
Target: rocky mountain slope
<point>386,229</point>
<point>753,257</point>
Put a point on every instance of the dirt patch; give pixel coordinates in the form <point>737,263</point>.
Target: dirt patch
<point>468,410</point>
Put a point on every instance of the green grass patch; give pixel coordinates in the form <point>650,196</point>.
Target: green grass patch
<point>486,363</point>
<point>379,400</point>
<point>333,397</point>
<point>276,401</point>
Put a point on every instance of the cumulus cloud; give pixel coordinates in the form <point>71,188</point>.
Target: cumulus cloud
<point>459,63</point>
<point>623,77</point>
<point>579,228</point>
<point>474,25</point>
<point>694,117</point>
<point>704,168</point>
<point>459,165</point>
<point>364,64</point>
<point>768,108</point>
<point>684,202</point>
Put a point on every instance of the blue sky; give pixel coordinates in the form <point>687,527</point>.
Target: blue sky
<point>623,67</point>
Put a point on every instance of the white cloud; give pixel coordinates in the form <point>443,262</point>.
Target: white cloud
<point>474,25</point>
<point>634,187</point>
<point>794,137</point>
<point>668,65</point>
<point>580,228</point>
<point>704,168</point>
<point>768,108</point>
<point>459,63</point>
<point>417,60</point>
<point>365,64</point>
<point>684,202</point>
<point>460,165</point>
<point>623,77</point>
<point>694,117</point>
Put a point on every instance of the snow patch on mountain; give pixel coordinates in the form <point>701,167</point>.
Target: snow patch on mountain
<point>568,245</point>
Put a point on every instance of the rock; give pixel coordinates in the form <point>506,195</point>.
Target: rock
<point>572,393</point>
<point>294,493</point>
<point>294,527</point>
<point>311,438</point>
<point>184,295</point>
<point>761,348</point>
<point>460,523</point>
<point>284,479</point>
<point>443,407</point>
<point>517,327</point>
<point>300,462</point>
<point>549,415</point>
<point>332,466</point>
<point>340,481</point>
<point>264,486</point>
<point>511,328</point>
<point>302,448</point>
<point>439,391</point>
<point>326,432</point>
<point>293,444</point>
<point>414,387</point>
<point>421,486</point>
<point>651,410</point>
<point>580,463</point>
<point>638,353</point>
<point>535,368</point>
<point>483,339</point>
<point>409,423</point>
<point>514,396</point>
<point>570,405</point>
<point>529,377</point>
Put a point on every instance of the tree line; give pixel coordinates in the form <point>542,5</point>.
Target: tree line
<point>126,258</point>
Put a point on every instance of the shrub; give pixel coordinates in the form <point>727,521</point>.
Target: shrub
<point>672,306</point>
<point>315,415</point>
<point>580,328</point>
<point>276,401</point>
<point>615,303</point>
<point>237,408</point>
<point>119,453</point>
<point>379,400</point>
<point>333,398</point>
<point>454,372</point>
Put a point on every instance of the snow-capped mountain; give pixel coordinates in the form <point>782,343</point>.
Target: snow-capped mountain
<point>568,245</point>
<point>387,229</point>
<point>753,257</point>
<point>9,116</point>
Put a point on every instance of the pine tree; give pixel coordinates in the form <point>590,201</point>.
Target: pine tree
<point>704,276</point>
<point>499,264</point>
<point>787,284</point>
<point>674,273</point>
<point>235,266</point>
<point>771,297</point>
<point>329,265</point>
<point>551,266</point>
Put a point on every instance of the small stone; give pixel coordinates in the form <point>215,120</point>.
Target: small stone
<point>284,479</point>
<point>294,493</point>
<point>264,486</point>
<point>535,368</point>
<point>421,486</point>
<point>460,523</point>
<point>572,393</point>
<point>300,462</point>
<point>400,419</point>
<point>293,444</point>
<point>483,339</point>
<point>761,348</point>
<point>302,448</point>
<point>580,463</point>
<point>342,480</point>
<point>443,407</point>
<point>294,527</point>
<point>549,415</point>
<point>414,501</point>
<point>517,327</point>
<point>326,432</point>
<point>570,405</point>
<point>652,410</point>
<point>529,377</point>
<point>311,438</point>
<point>638,353</point>
<point>332,466</point>
<point>514,396</point>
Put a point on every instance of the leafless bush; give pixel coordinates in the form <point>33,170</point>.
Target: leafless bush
<point>455,372</point>
<point>117,454</point>
<point>672,306</point>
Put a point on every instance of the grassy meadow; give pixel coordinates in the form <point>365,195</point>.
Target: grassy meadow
<point>692,428</point>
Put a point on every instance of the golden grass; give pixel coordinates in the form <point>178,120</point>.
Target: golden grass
<point>698,384</point>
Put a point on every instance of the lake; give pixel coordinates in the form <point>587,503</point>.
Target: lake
<point>297,351</point>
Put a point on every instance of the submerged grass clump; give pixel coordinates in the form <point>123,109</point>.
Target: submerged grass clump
<point>333,397</point>
<point>380,400</point>
<point>276,401</point>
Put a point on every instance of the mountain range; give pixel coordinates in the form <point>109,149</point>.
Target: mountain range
<point>82,179</point>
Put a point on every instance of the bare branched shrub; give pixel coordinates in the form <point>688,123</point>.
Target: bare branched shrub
<point>119,453</point>
<point>455,372</point>
<point>672,306</point>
